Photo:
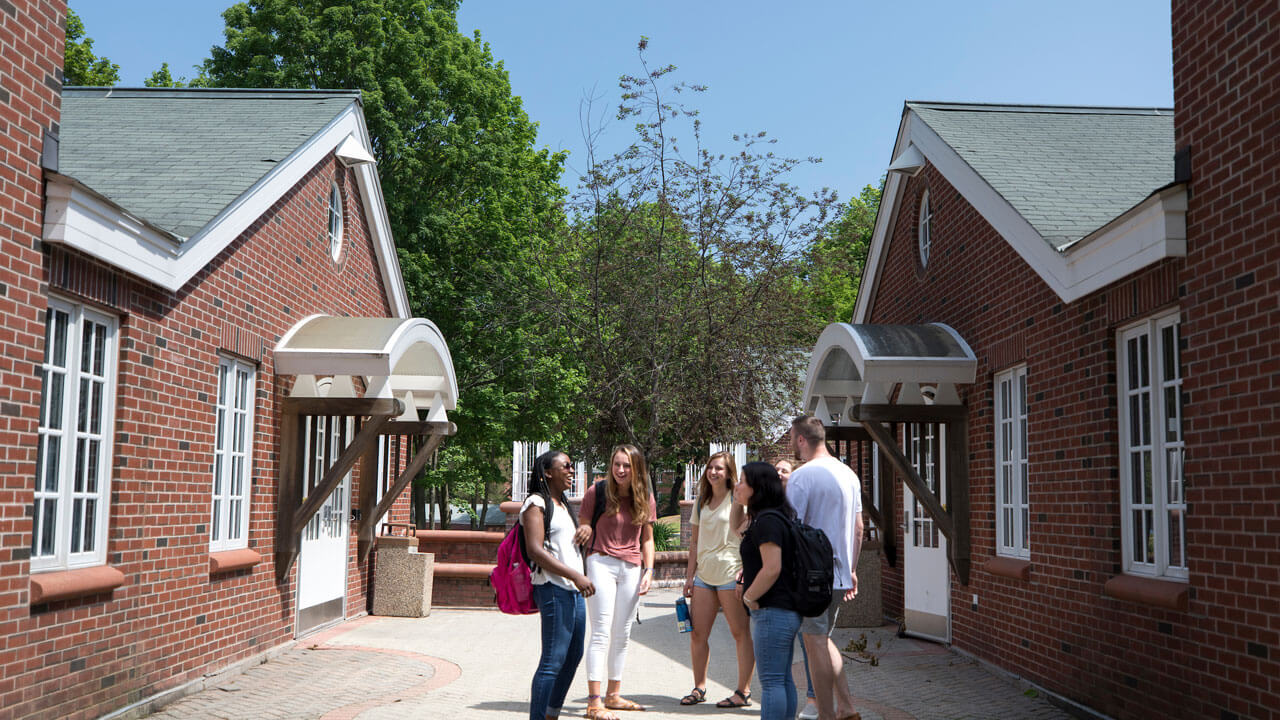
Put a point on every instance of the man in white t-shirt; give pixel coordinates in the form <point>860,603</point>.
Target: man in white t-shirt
<point>826,494</point>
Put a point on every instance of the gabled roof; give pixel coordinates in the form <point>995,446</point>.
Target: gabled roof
<point>1086,196</point>
<point>158,181</point>
<point>178,157</point>
<point>1067,170</point>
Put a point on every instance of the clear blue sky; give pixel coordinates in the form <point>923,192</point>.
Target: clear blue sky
<point>826,79</point>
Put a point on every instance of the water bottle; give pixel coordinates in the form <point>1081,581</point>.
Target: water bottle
<point>683,623</point>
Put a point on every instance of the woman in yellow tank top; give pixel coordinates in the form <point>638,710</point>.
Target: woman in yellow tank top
<point>711,577</point>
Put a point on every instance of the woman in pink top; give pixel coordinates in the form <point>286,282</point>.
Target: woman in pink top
<point>620,566</point>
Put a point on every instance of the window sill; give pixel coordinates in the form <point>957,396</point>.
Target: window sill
<point>67,584</point>
<point>1148,591</point>
<point>231,560</point>
<point>1013,568</point>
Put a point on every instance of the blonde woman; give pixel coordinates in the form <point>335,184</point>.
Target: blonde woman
<point>711,579</point>
<point>620,567</point>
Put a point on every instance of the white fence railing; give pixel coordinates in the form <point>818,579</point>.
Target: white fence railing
<point>522,456</point>
<point>524,453</point>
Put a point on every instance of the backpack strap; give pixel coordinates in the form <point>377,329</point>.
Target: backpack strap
<point>597,509</point>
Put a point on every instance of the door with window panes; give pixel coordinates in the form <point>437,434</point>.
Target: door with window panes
<point>926,573</point>
<point>322,560</point>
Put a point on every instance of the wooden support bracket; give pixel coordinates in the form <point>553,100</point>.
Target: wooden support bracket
<point>888,539</point>
<point>365,438</point>
<point>946,522</point>
<point>369,520</point>
<point>290,518</point>
<point>910,413</point>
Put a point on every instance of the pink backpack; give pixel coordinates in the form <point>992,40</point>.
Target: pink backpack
<point>511,580</point>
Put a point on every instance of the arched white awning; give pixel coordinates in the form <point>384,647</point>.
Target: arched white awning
<point>405,367</point>
<point>407,359</point>
<point>864,376</point>
<point>854,365</point>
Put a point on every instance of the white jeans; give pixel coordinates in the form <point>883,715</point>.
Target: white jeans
<point>610,612</point>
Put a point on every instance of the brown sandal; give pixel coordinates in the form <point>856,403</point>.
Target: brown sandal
<point>617,702</point>
<point>729,702</point>
<point>596,712</point>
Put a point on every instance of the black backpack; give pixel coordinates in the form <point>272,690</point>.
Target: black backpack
<point>809,570</point>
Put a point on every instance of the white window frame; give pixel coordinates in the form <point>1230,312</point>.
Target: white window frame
<point>335,221</point>
<point>59,490</point>
<point>1012,479</point>
<point>1158,454</point>
<point>232,455</point>
<point>924,229</point>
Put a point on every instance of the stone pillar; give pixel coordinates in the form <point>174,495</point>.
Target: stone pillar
<point>686,530</point>
<point>402,578</point>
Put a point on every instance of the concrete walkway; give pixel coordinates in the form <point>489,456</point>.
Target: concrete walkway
<point>463,664</point>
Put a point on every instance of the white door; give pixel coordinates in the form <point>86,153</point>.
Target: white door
<point>926,574</point>
<point>322,561</point>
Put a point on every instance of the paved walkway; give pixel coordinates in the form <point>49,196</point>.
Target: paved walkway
<point>462,664</point>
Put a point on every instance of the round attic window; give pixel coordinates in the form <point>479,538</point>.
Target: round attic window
<point>924,228</point>
<point>335,221</point>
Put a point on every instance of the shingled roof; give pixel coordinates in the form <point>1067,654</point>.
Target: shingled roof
<point>1067,170</point>
<point>177,158</point>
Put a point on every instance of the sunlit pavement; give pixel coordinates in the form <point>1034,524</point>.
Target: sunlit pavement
<point>478,664</point>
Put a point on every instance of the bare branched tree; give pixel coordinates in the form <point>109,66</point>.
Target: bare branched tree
<point>678,274</point>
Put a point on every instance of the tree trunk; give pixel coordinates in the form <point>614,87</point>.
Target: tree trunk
<point>442,499</point>
<point>677,491</point>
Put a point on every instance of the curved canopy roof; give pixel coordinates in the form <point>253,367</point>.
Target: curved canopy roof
<point>406,358</point>
<point>862,364</point>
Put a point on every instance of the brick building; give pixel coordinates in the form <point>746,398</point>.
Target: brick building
<point>1060,383</point>
<point>213,390</point>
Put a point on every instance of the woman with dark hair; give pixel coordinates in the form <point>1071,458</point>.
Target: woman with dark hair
<point>558,585</point>
<point>714,564</point>
<point>774,618</point>
<point>620,565</point>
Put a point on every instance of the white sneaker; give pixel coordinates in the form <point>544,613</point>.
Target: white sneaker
<point>810,712</point>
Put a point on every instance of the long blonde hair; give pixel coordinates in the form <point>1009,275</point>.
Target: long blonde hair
<point>639,486</point>
<point>730,474</point>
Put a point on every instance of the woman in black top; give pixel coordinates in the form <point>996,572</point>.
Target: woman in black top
<point>774,620</point>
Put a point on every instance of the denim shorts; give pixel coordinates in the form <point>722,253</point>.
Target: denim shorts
<point>824,623</point>
<point>697,582</point>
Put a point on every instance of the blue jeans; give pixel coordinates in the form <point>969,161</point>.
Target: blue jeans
<point>774,632</point>
<point>564,623</point>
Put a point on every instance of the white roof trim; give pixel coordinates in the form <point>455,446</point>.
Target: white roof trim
<point>1153,230</point>
<point>77,217</point>
<point>433,382</point>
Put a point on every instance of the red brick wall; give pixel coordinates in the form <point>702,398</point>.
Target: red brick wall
<point>31,41</point>
<point>172,622</point>
<point>1057,629</point>
<point>1227,90</point>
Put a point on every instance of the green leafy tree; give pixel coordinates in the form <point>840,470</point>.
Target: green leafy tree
<point>684,270</point>
<point>81,66</point>
<point>834,261</point>
<point>472,201</point>
<point>162,78</point>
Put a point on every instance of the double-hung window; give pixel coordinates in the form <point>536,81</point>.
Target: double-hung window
<point>1013,535</point>
<point>1153,523</point>
<point>73,448</point>
<point>232,456</point>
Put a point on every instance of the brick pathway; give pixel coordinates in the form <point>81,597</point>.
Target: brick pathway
<point>459,664</point>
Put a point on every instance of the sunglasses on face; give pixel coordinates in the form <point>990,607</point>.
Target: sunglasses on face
<point>567,465</point>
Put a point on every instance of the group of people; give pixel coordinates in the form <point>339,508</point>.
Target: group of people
<point>740,536</point>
